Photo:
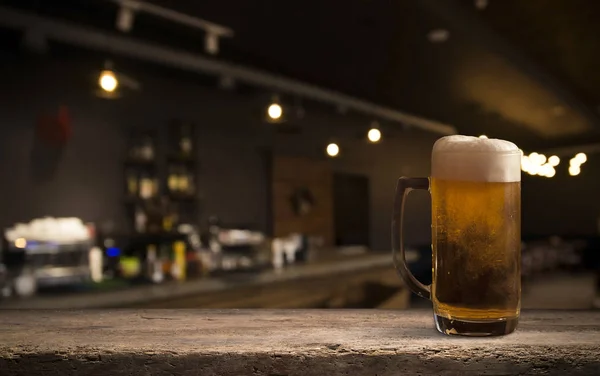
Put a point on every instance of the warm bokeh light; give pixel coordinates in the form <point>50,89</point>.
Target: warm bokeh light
<point>547,171</point>
<point>525,163</point>
<point>20,243</point>
<point>581,158</point>
<point>333,150</point>
<point>274,111</point>
<point>574,170</point>
<point>108,81</point>
<point>541,159</point>
<point>537,164</point>
<point>554,161</point>
<point>534,169</point>
<point>483,136</point>
<point>374,135</point>
<point>538,159</point>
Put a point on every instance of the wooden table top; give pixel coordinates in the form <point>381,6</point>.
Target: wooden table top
<point>288,342</point>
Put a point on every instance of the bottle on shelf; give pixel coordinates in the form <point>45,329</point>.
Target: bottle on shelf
<point>172,180</point>
<point>140,220</point>
<point>154,265</point>
<point>179,261</point>
<point>185,140</point>
<point>132,183</point>
<point>183,183</point>
<point>146,186</point>
<point>146,151</point>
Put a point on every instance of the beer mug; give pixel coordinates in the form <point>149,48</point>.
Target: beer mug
<point>475,188</point>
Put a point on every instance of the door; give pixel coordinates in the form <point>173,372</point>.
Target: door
<point>351,209</point>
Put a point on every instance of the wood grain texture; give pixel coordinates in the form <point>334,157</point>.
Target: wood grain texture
<point>288,342</point>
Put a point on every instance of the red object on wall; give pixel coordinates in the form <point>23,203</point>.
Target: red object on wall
<point>55,129</point>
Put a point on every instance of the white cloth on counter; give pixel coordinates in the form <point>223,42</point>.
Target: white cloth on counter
<point>49,229</point>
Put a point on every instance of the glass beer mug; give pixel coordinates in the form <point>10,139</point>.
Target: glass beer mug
<point>475,188</point>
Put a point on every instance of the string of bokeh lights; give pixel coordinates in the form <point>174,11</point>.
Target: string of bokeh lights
<point>274,114</point>
<point>538,164</point>
<point>534,164</point>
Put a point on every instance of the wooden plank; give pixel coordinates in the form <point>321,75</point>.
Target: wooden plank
<point>288,342</point>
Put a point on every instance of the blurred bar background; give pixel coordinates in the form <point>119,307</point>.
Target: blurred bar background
<point>244,154</point>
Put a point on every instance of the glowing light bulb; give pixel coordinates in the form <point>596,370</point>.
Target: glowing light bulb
<point>274,111</point>
<point>525,163</point>
<point>547,171</point>
<point>581,158</point>
<point>553,161</point>
<point>483,136</point>
<point>574,170</point>
<point>534,169</point>
<point>374,135</point>
<point>332,149</point>
<point>108,81</point>
<point>541,159</point>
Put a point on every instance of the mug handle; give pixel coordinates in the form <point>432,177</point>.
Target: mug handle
<point>405,185</point>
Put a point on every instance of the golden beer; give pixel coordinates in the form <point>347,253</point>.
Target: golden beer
<point>475,188</point>
<point>476,231</point>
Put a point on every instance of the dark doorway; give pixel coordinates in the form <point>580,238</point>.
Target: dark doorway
<point>351,209</point>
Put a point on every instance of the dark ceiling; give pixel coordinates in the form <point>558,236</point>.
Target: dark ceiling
<point>521,70</point>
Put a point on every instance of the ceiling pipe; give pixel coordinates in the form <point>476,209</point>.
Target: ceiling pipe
<point>121,45</point>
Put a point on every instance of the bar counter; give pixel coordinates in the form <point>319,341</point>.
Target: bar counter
<point>288,342</point>
<point>184,294</point>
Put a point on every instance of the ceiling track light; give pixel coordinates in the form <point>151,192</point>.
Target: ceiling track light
<point>211,43</point>
<point>438,35</point>
<point>481,4</point>
<point>275,110</point>
<point>332,149</point>
<point>108,80</point>
<point>128,9</point>
<point>374,133</point>
<point>126,15</point>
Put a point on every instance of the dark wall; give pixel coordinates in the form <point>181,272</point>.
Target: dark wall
<point>84,178</point>
<point>563,204</point>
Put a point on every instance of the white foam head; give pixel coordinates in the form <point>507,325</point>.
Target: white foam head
<point>470,158</point>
